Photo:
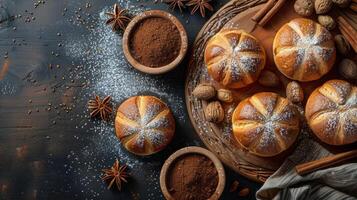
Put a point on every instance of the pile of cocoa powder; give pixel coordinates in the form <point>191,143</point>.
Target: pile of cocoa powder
<point>155,42</point>
<point>192,177</point>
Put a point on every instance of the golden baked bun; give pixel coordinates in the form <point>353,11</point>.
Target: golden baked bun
<point>265,124</point>
<point>331,112</point>
<point>304,50</point>
<point>144,125</point>
<point>234,58</point>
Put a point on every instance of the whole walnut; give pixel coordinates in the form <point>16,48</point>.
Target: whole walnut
<point>342,3</point>
<point>304,7</point>
<point>348,69</point>
<point>214,112</point>
<point>326,21</point>
<point>323,6</point>
<point>342,45</point>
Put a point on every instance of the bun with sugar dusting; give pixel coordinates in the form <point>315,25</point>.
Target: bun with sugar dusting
<point>304,50</point>
<point>266,124</point>
<point>144,125</point>
<point>234,58</point>
<point>331,112</point>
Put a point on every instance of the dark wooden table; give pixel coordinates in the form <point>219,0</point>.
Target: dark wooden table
<point>54,57</point>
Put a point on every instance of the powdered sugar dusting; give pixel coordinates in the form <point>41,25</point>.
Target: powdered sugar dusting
<point>343,120</point>
<point>243,56</point>
<point>275,124</point>
<point>100,53</point>
<point>307,45</point>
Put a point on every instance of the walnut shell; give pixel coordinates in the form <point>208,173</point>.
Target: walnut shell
<point>304,7</point>
<point>269,79</point>
<point>342,3</point>
<point>214,112</point>
<point>348,69</point>
<point>294,92</point>
<point>225,95</point>
<point>323,6</point>
<point>342,45</point>
<point>326,21</point>
<point>204,91</point>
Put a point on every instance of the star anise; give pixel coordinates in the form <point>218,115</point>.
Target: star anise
<point>118,18</point>
<point>176,3</point>
<point>99,107</point>
<point>201,5</point>
<point>115,174</point>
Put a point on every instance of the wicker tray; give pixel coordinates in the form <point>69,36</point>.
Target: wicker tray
<point>218,138</point>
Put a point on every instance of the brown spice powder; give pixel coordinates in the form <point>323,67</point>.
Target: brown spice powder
<point>155,42</point>
<point>192,177</point>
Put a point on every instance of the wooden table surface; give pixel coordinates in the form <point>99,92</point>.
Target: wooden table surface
<point>55,55</point>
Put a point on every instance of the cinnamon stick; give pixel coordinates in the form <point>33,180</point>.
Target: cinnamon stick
<point>325,162</point>
<point>349,38</point>
<point>348,31</point>
<point>260,14</point>
<point>353,6</point>
<point>271,12</point>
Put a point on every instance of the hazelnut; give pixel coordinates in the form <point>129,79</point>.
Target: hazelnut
<point>225,95</point>
<point>327,22</point>
<point>323,6</point>
<point>269,79</point>
<point>342,45</point>
<point>214,112</point>
<point>204,91</point>
<point>304,7</point>
<point>294,92</point>
<point>348,69</point>
<point>342,3</point>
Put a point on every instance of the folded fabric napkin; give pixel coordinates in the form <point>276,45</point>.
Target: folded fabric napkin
<point>336,183</point>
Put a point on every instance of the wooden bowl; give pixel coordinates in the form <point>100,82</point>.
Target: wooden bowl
<point>193,150</point>
<point>131,26</point>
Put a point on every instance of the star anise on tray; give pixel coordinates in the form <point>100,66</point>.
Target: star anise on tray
<point>201,5</point>
<point>102,108</point>
<point>118,18</point>
<point>180,4</point>
<point>117,174</point>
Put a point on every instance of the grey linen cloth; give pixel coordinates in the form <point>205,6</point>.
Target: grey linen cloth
<point>336,183</point>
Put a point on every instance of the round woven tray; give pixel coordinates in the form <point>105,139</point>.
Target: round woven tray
<point>218,138</point>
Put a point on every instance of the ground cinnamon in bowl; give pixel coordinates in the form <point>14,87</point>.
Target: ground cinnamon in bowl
<point>155,42</point>
<point>192,177</point>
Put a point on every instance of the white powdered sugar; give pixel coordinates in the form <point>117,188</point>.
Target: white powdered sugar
<point>306,46</point>
<point>100,53</point>
<point>275,124</point>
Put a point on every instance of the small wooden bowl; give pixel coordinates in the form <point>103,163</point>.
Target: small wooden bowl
<point>131,26</point>
<point>193,150</point>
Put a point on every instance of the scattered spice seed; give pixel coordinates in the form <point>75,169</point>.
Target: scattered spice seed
<point>244,192</point>
<point>234,186</point>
